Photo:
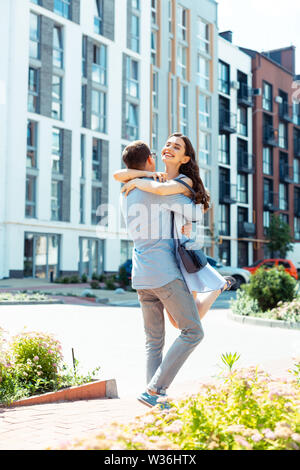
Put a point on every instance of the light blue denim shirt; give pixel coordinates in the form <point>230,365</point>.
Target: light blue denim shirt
<point>148,221</point>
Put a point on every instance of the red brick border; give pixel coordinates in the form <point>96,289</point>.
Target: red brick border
<point>97,389</point>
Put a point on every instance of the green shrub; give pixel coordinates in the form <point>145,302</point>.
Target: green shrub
<point>95,277</point>
<point>244,304</point>
<point>271,286</point>
<point>94,284</point>
<point>122,277</point>
<point>84,278</point>
<point>65,280</point>
<point>74,279</point>
<point>110,284</point>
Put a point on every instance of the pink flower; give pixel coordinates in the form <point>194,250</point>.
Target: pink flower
<point>242,442</point>
<point>296,437</point>
<point>36,358</point>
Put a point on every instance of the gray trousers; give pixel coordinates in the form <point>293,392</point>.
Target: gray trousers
<point>179,302</point>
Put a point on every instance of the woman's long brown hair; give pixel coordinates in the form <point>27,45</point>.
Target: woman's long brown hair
<point>192,171</point>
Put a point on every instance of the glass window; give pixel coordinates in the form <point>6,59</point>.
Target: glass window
<point>126,251</point>
<point>99,67</point>
<point>63,8</point>
<point>98,111</point>
<point>154,12</point>
<point>283,196</point>
<point>224,225</point>
<point>84,56</point>
<point>135,4</point>
<point>225,252</point>
<point>297,228</point>
<point>58,50</point>
<point>203,36</point>
<point>30,207</point>
<point>154,47</point>
<point>135,33</point>
<point>31,160</point>
<point>155,90</point>
<point>96,201</point>
<point>204,147</point>
<point>33,90</point>
<point>242,188</point>
<point>242,121</point>
<point>132,127</point>
<point>224,78</point>
<point>96,162</point>
<point>82,197</point>
<point>132,77</point>
<point>57,101</point>
<point>56,200</point>
<point>155,131</point>
<point>82,156</point>
<point>267,161</point>
<point>170,16</point>
<point>204,111</point>
<point>283,131</point>
<point>203,74</point>
<point>182,23</point>
<point>83,105</point>
<point>183,109</point>
<point>34,45</point>
<point>98,16</point>
<point>91,256</point>
<point>57,154</point>
<point>267,100</point>
<point>182,61</point>
<point>296,170</point>
<point>266,219</point>
<point>224,149</point>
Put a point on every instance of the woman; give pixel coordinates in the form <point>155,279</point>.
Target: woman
<point>180,162</point>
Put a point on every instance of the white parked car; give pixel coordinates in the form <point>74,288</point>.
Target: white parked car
<point>241,276</point>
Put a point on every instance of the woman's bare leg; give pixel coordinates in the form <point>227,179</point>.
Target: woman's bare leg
<point>204,301</point>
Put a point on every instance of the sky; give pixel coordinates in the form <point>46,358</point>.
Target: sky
<point>262,24</point>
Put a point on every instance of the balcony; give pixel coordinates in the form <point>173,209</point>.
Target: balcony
<point>271,201</point>
<point>227,122</point>
<point>246,229</point>
<point>245,96</point>
<point>246,163</point>
<point>286,174</point>
<point>270,136</point>
<point>286,112</point>
<point>228,193</point>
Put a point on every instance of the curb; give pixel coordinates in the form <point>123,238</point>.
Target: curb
<point>40,302</point>
<point>264,322</point>
<point>96,389</point>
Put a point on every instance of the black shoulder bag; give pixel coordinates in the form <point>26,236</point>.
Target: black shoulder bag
<point>193,260</point>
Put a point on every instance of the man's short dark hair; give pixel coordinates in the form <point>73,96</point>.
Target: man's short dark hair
<point>135,155</point>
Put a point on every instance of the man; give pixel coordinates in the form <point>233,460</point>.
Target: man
<point>156,276</point>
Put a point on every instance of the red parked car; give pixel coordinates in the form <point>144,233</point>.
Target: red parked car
<point>289,267</point>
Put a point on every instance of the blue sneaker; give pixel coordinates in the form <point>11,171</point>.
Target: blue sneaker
<point>152,400</point>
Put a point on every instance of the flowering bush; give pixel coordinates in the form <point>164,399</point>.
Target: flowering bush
<point>247,409</point>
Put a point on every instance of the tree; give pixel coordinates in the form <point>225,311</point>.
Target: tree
<point>280,237</point>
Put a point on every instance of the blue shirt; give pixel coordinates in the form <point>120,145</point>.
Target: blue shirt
<point>148,221</point>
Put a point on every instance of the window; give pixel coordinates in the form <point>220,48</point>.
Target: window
<point>296,113</point>
<point>204,111</point>
<point>268,191</point>
<point>83,105</point>
<point>96,201</point>
<point>170,54</point>
<point>170,16</point>
<point>63,8</point>
<point>56,200</point>
<point>58,51</point>
<point>98,111</point>
<point>31,160</point>
<point>135,33</point>
<point>267,161</point>
<point>57,101</point>
<point>155,90</point>
<point>154,12</point>
<point>82,197</point>
<point>203,36</point>
<point>91,256</point>
<point>283,197</point>
<point>204,147</point>
<point>297,228</point>
<point>224,225</point>
<point>183,109</point>
<point>30,207</point>
<point>96,162</point>
<point>283,133</point>
<point>284,218</point>
<point>266,219</point>
<point>296,170</point>
<point>225,252</point>
<point>126,251</point>
<point>34,45</point>
<point>155,130</point>
<point>132,127</point>
<point>99,67</point>
<point>242,121</point>
<point>82,156</point>
<point>37,2</point>
<point>224,149</point>
<point>267,100</point>
<point>132,77</point>
<point>98,16</point>
<point>182,23</point>
<point>57,154</point>
<point>242,188</point>
<point>84,56</point>
<point>182,61</point>
<point>154,47</point>
<point>203,76</point>
<point>33,90</point>
<point>224,78</point>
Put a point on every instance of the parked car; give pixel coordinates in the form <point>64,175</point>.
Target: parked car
<point>241,276</point>
<point>269,263</point>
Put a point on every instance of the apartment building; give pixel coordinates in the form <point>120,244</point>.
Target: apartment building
<point>79,80</point>
<point>276,144</point>
<point>236,162</point>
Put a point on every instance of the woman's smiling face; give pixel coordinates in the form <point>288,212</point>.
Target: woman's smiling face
<point>174,151</point>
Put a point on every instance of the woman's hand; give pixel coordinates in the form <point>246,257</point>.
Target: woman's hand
<point>160,176</point>
<point>187,230</point>
<point>130,186</point>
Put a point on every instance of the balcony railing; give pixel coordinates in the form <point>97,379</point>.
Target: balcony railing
<point>286,174</point>
<point>228,193</point>
<point>246,229</point>
<point>271,201</point>
<point>270,136</point>
<point>286,112</point>
<point>246,162</point>
<point>245,96</point>
<point>228,122</point>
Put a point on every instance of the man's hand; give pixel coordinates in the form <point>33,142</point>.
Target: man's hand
<point>187,230</point>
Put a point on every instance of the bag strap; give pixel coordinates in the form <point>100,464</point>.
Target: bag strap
<point>179,180</point>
